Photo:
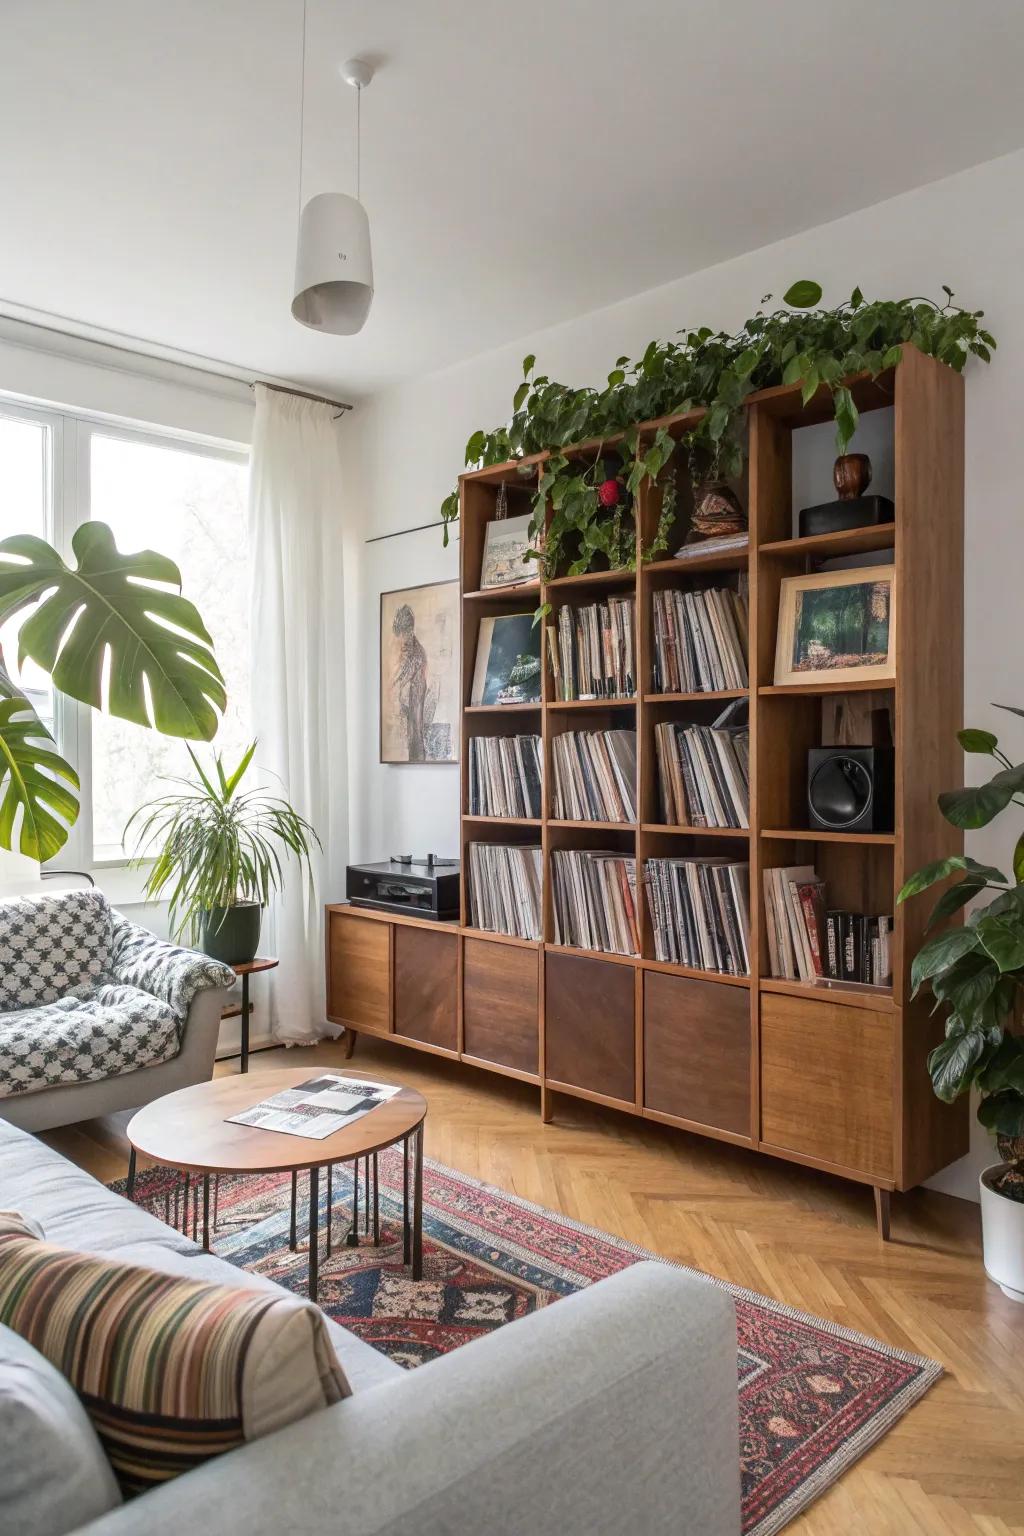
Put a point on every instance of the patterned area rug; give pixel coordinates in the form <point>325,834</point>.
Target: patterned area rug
<point>813,1396</point>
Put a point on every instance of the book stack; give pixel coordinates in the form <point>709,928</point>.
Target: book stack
<point>594,775</point>
<point>700,640</point>
<point>592,654</point>
<point>808,943</point>
<point>504,889</point>
<point>595,900</point>
<point>700,910</point>
<point>703,774</point>
<point>504,776</point>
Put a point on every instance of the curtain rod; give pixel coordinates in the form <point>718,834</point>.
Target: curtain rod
<point>286,389</point>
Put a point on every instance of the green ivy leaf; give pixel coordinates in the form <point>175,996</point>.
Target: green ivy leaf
<point>977,805</point>
<point>475,447</point>
<point>1003,939</point>
<point>1018,860</point>
<point>528,362</point>
<point>951,1064</point>
<point>520,395</point>
<point>856,299</point>
<point>803,295</point>
<point>1003,1113</point>
<point>931,874</point>
<point>810,385</point>
<point>977,741</point>
<point>940,953</point>
<point>615,378</point>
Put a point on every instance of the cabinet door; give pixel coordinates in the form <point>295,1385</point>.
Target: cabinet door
<point>426,985</point>
<point>359,972</point>
<point>499,1003</point>
<point>697,1051</point>
<point>827,1081</point>
<point>590,1025</point>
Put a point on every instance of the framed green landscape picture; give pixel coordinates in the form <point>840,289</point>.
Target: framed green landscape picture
<point>837,624</point>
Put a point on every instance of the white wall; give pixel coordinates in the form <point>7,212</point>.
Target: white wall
<point>967,231</point>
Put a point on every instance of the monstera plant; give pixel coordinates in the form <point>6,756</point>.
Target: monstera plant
<point>112,631</point>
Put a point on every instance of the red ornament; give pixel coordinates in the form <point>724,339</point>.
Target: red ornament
<point>609,493</point>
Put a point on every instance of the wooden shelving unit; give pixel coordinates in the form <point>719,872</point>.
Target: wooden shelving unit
<point>830,1077</point>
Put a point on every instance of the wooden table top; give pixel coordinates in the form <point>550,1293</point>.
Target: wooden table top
<point>250,967</point>
<point>189,1129</point>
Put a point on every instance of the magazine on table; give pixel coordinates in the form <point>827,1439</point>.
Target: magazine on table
<point>318,1107</point>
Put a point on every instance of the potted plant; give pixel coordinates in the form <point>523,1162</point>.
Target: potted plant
<point>976,972</point>
<point>220,856</point>
<point>125,607</point>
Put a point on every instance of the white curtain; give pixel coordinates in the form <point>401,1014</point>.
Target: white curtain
<point>298,680</point>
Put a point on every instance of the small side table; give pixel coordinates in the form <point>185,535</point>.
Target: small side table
<point>243,971</point>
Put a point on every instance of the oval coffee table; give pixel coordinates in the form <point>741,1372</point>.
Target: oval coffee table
<point>189,1130</point>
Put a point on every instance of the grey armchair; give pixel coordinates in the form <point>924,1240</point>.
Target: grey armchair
<point>96,1013</point>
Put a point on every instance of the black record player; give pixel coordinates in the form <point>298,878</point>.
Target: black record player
<point>423,887</point>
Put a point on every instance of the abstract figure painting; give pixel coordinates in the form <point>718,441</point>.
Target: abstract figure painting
<point>419,674</point>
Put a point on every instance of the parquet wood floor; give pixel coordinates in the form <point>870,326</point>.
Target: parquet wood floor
<point>953,1467</point>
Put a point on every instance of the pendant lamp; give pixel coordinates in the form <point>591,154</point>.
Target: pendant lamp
<point>333,264</point>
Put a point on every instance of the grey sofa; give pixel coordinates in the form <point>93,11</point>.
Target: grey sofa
<point>96,1014</point>
<point>613,1410</point>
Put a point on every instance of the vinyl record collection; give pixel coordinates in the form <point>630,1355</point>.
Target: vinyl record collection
<point>595,900</point>
<point>592,650</point>
<point>700,910</point>
<point>807,942</point>
<point>504,776</point>
<point>703,774</point>
<point>700,640</point>
<point>504,889</point>
<point>594,775</point>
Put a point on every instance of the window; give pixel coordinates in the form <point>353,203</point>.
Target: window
<point>180,496</point>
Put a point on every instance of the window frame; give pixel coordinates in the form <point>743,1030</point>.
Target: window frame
<point>68,505</point>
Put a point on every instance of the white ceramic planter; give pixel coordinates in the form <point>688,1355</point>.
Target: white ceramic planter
<point>1002,1233</point>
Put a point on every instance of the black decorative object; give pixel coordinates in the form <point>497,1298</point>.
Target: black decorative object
<point>850,789</point>
<point>425,887</point>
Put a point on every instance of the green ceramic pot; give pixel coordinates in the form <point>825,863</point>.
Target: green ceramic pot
<point>232,934</point>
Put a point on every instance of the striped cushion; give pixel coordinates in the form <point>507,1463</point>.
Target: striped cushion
<point>170,1371</point>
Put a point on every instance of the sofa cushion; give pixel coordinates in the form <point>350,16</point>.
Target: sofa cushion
<point>54,1476</point>
<point>52,945</point>
<point>171,1371</point>
<point>86,1037</point>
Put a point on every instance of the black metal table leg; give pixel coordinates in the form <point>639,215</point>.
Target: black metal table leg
<point>293,1241</point>
<point>330,1205</point>
<point>366,1196</point>
<point>376,1205</point>
<point>406,1245</point>
<point>417,1220</point>
<point>184,1216</point>
<point>245,1021</point>
<point>195,1210</point>
<point>314,1232</point>
<point>352,1235</point>
<point>206,1212</point>
<point>216,1201</point>
<point>131,1174</point>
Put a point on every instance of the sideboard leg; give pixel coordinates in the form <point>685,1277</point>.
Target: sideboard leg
<point>350,1043</point>
<point>547,1105</point>
<point>882,1204</point>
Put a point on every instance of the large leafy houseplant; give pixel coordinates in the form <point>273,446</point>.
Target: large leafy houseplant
<point>112,631</point>
<point>798,343</point>
<point>219,854</point>
<point>976,971</point>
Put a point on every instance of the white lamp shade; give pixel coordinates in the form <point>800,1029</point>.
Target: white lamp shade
<point>333,266</point>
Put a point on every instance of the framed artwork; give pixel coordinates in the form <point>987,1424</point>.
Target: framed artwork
<point>506,541</point>
<point>837,624</point>
<point>507,660</point>
<point>419,674</point>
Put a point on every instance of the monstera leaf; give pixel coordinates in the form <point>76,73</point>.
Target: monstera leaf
<point>129,604</point>
<point>30,778</point>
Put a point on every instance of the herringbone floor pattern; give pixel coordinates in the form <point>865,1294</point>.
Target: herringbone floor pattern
<point>953,1467</point>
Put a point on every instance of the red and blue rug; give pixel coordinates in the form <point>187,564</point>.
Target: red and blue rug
<point>813,1396</point>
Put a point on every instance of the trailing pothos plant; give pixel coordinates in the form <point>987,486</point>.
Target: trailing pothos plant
<point>113,631</point>
<point>799,343</point>
<point>976,972</point>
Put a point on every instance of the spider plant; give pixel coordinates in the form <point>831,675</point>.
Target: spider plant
<point>221,855</point>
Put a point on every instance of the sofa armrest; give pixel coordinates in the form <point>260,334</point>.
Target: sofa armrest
<point>175,975</point>
<point>613,1410</point>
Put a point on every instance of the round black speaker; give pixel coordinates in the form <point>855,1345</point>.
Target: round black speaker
<point>840,791</point>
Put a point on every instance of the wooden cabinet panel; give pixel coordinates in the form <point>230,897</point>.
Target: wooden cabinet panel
<point>590,1025</point>
<point>827,1081</point>
<point>697,1051</point>
<point>359,972</point>
<point>426,985</point>
<point>499,1003</point>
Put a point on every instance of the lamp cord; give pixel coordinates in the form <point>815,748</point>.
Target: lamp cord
<point>302,103</point>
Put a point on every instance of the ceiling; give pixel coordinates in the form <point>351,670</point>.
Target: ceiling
<point>524,161</point>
